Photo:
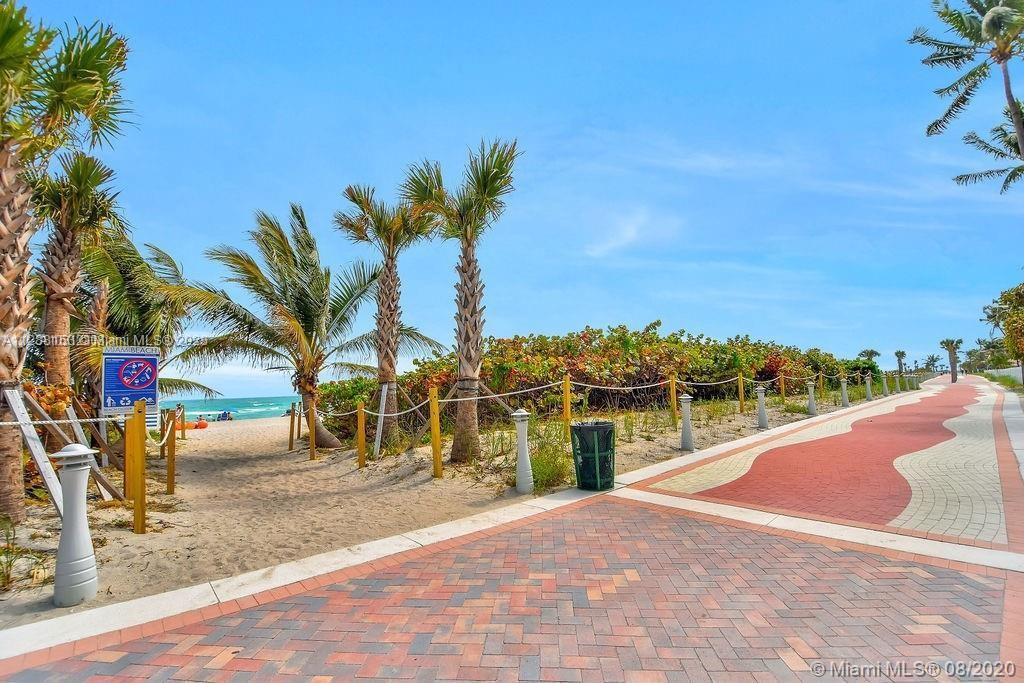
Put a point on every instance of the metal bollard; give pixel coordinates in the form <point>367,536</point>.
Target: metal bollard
<point>74,580</point>
<point>686,432</point>
<point>867,389</point>
<point>524,470</point>
<point>762,412</point>
<point>843,393</point>
<point>812,406</point>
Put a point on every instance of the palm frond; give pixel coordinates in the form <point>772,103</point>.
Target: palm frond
<point>1012,177</point>
<point>176,386</point>
<point>956,107</point>
<point>980,176</point>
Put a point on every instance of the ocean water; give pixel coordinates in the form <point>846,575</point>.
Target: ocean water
<point>240,408</point>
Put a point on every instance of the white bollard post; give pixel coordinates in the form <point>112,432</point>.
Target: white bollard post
<point>74,579</point>
<point>867,389</point>
<point>762,412</point>
<point>812,405</point>
<point>524,470</point>
<point>686,431</point>
<point>843,393</point>
<point>885,384</point>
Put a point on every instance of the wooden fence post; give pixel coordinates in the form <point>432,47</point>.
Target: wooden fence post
<point>821,384</point>
<point>312,427</point>
<point>291,427</point>
<point>361,434</point>
<point>673,407</point>
<point>782,387</point>
<point>566,403</point>
<point>139,468</point>
<point>435,432</point>
<point>172,452</point>
<point>739,382</point>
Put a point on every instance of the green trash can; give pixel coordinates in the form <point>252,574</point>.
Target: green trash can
<point>593,453</point>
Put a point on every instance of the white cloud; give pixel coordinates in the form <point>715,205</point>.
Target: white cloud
<point>638,226</point>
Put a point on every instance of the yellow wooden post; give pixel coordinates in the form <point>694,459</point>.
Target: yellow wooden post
<point>183,435</point>
<point>739,382</point>
<point>311,426</point>
<point>673,408</point>
<point>139,469</point>
<point>172,452</point>
<point>291,428</point>
<point>361,434</point>
<point>821,384</point>
<point>566,403</point>
<point>782,386</point>
<point>129,457</point>
<point>435,432</point>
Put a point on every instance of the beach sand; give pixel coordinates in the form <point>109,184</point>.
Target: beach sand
<point>244,502</point>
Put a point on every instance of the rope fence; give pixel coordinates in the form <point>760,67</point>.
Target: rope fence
<point>435,404</point>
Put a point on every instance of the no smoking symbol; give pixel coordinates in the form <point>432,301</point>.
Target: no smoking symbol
<point>137,373</point>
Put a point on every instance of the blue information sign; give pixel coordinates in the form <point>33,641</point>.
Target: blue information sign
<point>129,375</point>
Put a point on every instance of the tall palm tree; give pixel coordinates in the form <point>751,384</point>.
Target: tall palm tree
<point>79,205</point>
<point>57,89</point>
<point>391,229</point>
<point>464,214</point>
<point>987,33</point>
<point>305,313</point>
<point>931,362</point>
<point>868,354</point>
<point>135,301</point>
<point>1003,147</point>
<point>952,346</point>
<point>900,357</point>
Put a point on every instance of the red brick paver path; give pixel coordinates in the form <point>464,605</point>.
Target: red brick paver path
<point>850,475</point>
<point>609,591</point>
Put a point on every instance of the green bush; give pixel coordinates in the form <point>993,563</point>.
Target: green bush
<point>342,397</point>
<point>550,456</point>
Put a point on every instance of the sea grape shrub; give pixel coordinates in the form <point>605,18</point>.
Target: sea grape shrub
<point>617,356</point>
<point>342,397</point>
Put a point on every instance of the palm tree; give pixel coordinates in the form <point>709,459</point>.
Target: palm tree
<point>952,346</point>
<point>134,301</point>
<point>900,356</point>
<point>931,362</point>
<point>985,30</point>
<point>464,214</point>
<point>1002,146</point>
<point>57,88</point>
<point>79,206</point>
<point>391,229</point>
<point>305,312</point>
<point>868,354</point>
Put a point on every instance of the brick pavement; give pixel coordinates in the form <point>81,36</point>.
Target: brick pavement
<point>609,591</point>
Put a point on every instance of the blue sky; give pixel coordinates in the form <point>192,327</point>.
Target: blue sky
<point>752,168</point>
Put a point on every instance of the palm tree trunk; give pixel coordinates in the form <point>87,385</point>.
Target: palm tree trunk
<point>1011,102</point>
<point>469,328</point>
<point>388,317</point>
<point>952,367</point>
<point>61,273</point>
<point>324,438</point>
<point>16,229</point>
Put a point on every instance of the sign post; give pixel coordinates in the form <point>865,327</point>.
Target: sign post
<point>129,375</point>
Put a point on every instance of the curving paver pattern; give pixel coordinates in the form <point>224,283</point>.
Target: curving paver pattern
<point>925,462</point>
<point>955,486</point>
